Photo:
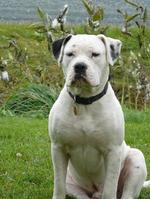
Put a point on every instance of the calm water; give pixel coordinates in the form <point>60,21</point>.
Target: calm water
<point>26,10</point>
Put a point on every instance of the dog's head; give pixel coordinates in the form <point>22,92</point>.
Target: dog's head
<point>85,59</point>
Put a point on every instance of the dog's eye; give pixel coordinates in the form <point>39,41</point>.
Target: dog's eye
<point>95,54</point>
<point>70,54</point>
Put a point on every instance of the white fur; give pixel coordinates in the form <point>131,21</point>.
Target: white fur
<point>88,148</point>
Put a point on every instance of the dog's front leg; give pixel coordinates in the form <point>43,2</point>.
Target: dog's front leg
<point>113,164</point>
<point>60,162</point>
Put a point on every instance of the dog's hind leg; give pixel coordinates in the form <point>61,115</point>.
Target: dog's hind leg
<point>132,176</point>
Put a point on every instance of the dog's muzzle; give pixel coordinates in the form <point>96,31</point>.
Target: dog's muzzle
<point>80,71</point>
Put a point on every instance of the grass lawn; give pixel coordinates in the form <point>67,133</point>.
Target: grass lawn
<point>25,164</point>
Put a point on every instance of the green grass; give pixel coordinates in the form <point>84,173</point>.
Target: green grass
<point>31,175</point>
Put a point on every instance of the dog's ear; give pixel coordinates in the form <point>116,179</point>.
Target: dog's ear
<point>58,46</point>
<point>113,48</point>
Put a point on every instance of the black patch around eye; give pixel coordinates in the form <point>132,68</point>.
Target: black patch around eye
<point>95,54</point>
<point>70,54</point>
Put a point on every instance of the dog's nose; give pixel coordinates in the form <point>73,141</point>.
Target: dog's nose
<point>80,68</point>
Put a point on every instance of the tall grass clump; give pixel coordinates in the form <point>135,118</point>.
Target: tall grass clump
<point>35,101</point>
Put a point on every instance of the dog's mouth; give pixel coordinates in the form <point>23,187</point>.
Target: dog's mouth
<point>79,79</point>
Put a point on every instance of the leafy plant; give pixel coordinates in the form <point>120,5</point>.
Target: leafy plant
<point>139,18</point>
<point>48,27</point>
<point>61,18</point>
<point>134,89</point>
<point>96,16</point>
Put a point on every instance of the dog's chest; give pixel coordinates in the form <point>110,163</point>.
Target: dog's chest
<point>85,141</point>
<point>83,129</point>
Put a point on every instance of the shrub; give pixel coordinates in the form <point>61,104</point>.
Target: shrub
<point>35,101</point>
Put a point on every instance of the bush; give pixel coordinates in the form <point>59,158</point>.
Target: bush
<point>35,101</point>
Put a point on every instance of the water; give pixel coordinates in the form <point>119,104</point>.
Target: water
<point>26,10</point>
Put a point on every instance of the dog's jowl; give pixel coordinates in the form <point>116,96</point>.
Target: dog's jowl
<point>86,125</point>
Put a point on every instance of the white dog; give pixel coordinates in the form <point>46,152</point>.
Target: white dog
<point>86,126</point>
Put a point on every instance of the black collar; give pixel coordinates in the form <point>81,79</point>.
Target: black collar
<point>88,100</point>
